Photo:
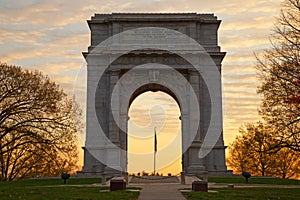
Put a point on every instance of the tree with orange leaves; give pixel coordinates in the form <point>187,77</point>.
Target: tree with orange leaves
<point>37,126</point>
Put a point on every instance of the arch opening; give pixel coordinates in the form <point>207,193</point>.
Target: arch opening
<point>152,107</point>
<point>152,87</point>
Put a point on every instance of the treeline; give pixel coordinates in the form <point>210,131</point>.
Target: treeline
<point>272,146</point>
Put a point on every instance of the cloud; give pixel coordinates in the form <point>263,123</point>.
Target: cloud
<point>154,109</point>
<point>50,35</point>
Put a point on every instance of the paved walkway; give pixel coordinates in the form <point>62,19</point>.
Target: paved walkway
<point>160,191</point>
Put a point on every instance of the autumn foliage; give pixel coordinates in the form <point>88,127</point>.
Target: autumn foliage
<point>37,126</point>
<point>251,151</point>
<point>272,147</point>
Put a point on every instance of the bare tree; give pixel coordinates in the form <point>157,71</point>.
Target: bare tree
<point>279,71</point>
<point>37,126</point>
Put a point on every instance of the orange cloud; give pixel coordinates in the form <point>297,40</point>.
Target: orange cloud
<point>50,35</point>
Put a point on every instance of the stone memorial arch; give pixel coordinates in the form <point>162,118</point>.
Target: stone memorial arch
<point>134,53</point>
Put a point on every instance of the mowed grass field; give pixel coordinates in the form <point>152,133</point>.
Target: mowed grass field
<point>254,180</point>
<point>247,194</point>
<point>278,191</point>
<point>76,189</point>
<point>89,189</point>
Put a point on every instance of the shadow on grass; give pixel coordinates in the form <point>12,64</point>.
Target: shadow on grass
<point>42,189</point>
<point>246,193</point>
<point>254,180</point>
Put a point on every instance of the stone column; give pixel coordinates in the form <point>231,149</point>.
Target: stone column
<point>194,81</point>
<point>114,132</point>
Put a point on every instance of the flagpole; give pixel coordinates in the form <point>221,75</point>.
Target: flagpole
<point>155,149</point>
<point>154,162</point>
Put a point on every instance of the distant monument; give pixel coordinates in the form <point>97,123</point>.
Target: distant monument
<point>163,46</point>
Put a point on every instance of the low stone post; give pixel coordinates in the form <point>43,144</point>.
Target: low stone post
<point>126,178</point>
<point>182,178</point>
<point>103,178</point>
<point>118,183</point>
<point>200,186</point>
<point>205,176</point>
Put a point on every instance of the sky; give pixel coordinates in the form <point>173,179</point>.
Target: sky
<point>50,35</point>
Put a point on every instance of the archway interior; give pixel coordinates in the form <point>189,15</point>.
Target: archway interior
<point>148,110</point>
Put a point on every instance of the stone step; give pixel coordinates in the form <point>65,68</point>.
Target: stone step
<point>154,179</point>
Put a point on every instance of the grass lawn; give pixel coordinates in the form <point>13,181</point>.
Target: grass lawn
<point>246,194</point>
<point>254,180</point>
<point>53,181</point>
<point>49,189</point>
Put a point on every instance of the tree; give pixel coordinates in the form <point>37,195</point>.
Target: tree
<point>249,151</point>
<point>287,163</point>
<point>37,126</point>
<point>279,71</point>
<point>239,156</point>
